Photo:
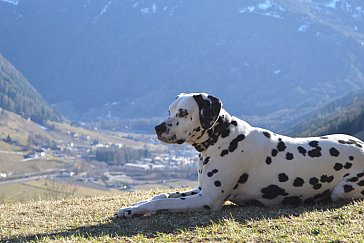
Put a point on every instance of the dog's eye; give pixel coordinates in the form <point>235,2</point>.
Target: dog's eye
<point>182,113</point>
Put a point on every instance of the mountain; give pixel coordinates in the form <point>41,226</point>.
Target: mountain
<point>344,115</point>
<point>17,95</point>
<point>268,60</point>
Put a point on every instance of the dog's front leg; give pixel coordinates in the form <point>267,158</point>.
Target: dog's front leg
<point>171,195</point>
<point>183,204</point>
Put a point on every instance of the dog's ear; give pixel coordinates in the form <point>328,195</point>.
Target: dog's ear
<point>209,109</point>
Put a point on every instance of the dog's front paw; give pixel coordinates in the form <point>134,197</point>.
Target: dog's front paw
<point>125,212</point>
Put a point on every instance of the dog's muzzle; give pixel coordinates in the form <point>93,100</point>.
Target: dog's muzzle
<point>162,132</point>
<point>160,129</point>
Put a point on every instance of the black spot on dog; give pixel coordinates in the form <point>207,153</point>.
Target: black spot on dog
<point>207,159</point>
<point>233,122</point>
<point>314,181</point>
<point>225,133</point>
<point>193,193</point>
<point>298,182</point>
<point>360,183</point>
<point>353,179</point>
<point>324,178</point>
<point>236,186</point>
<point>317,197</point>
<point>302,150</point>
<point>254,203</point>
<point>267,134</point>
<point>316,152</point>
<point>293,200</point>
<point>243,178</point>
<point>234,143</point>
<point>348,165</point>
<point>182,198</point>
<point>268,160</point>
<point>274,152</point>
<point>348,188</point>
<point>360,175</point>
<point>282,177</point>
<point>313,144</point>
<point>202,133</point>
<point>317,186</point>
<point>324,137</point>
<point>281,146</point>
<point>351,158</point>
<point>273,191</point>
<point>214,171</point>
<point>338,166</point>
<point>217,183</point>
<point>347,174</point>
<point>334,152</point>
<point>330,179</point>
<point>183,194</point>
<point>351,141</point>
<point>224,152</point>
<point>129,212</point>
<point>289,156</point>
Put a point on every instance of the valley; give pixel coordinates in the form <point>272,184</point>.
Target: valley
<point>64,161</point>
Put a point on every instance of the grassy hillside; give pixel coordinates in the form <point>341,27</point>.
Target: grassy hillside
<point>17,95</point>
<point>91,220</point>
<point>345,115</point>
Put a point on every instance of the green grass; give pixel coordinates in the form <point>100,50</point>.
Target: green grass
<point>91,220</point>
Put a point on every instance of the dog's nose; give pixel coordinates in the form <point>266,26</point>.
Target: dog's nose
<point>161,128</point>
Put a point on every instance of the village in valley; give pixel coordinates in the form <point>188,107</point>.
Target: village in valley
<point>100,160</point>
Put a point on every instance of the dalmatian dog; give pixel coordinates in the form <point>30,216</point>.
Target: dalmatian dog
<point>248,165</point>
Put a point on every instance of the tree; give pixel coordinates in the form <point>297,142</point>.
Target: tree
<point>8,139</point>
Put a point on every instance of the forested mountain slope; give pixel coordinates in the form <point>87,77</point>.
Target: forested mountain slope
<point>344,115</point>
<point>17,95</point>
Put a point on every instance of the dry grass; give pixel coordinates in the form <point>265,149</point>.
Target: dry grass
<point>45,189</point>
<point>91,220</point>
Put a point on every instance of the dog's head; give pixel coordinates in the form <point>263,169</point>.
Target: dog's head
<point>190,115</point>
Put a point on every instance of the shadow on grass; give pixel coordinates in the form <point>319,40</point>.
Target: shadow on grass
<point>151,225</point>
